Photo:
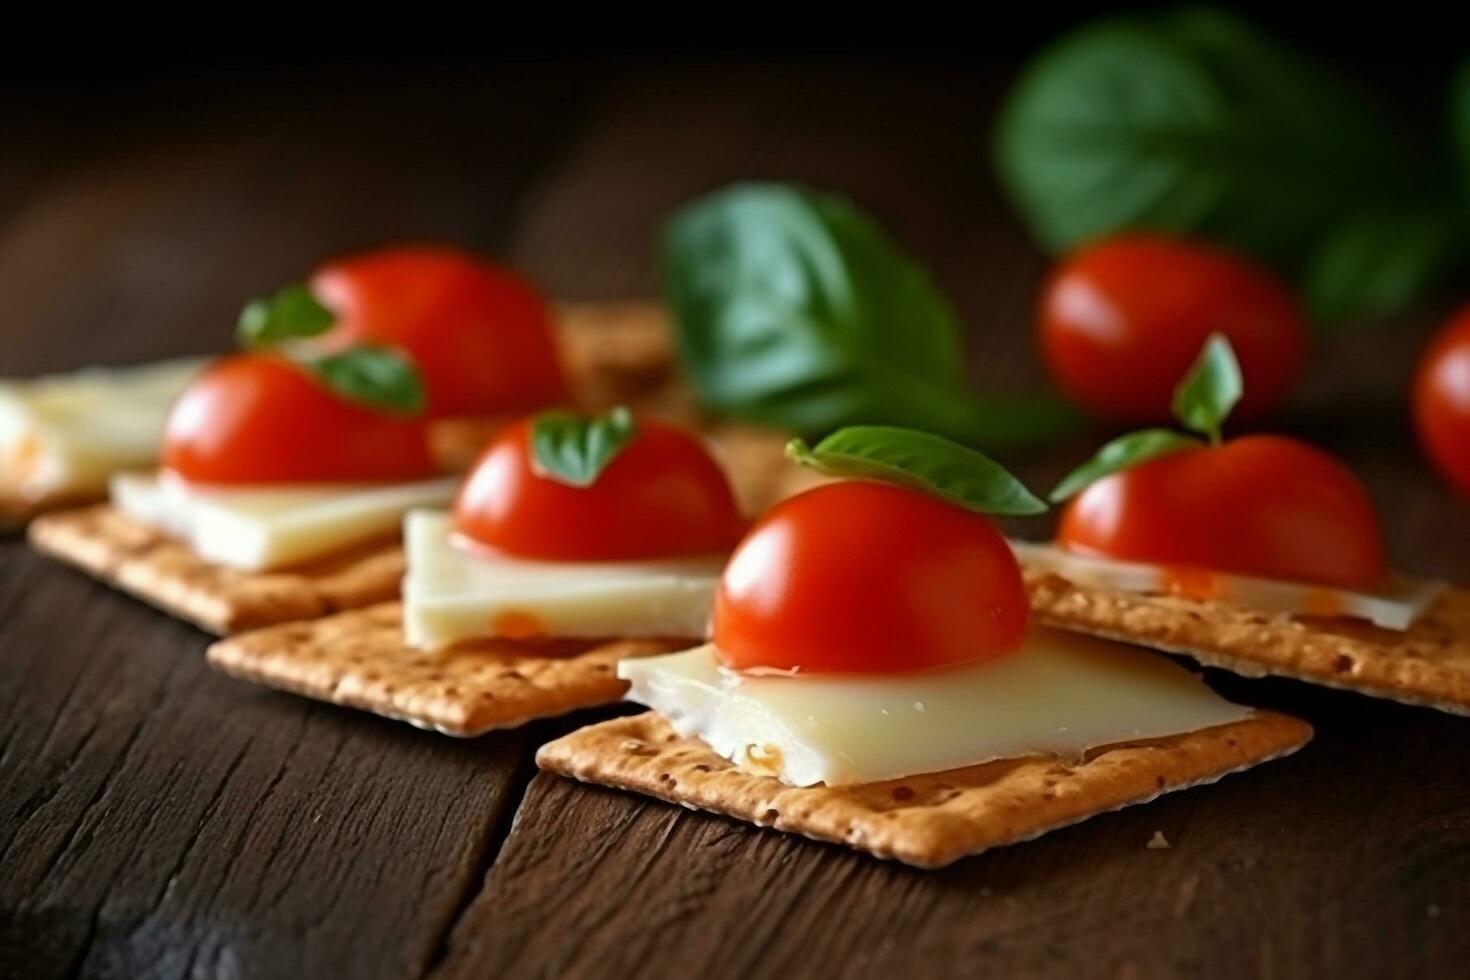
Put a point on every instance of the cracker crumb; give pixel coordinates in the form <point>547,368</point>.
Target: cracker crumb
<point>1158,842</point>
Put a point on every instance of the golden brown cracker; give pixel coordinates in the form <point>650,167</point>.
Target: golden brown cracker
<point>164,573</point>
<point>927,820</point>
<point>1427,664</point>
<point>358,659</point>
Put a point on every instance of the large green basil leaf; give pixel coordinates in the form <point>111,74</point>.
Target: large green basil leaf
<point>794,309</point>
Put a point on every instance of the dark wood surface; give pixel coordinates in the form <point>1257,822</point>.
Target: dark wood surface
<point>157,819</point>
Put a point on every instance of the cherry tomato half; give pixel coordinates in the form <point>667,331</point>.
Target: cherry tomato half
<point>258,418</point>
<point>480,334</point>
<point>863,577</point>
<point>1121,322</point>
<point>1259,505</point>
<point>662,496</point>
<point>1442,401</point>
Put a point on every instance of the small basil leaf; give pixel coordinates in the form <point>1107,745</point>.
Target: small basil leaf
<point>922,461</point>
<point>291,313</point>
<point>574,449</point>
<point>1375,263</point>
<point>794,309</point>
<point>1120,454</point>
<point>377,377</point>
<point>1210,390</point>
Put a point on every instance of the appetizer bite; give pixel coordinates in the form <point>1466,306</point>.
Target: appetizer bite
<point>873,678</point>
<point>574,543</point>
<point>283,482</point>
<point>1260,554</point>
<point>63,435</point>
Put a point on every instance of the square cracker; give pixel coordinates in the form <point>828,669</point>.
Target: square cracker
<point>156,568</point>
<point>1428,664</point>
<point>928,820</point>
<point>358,659</point>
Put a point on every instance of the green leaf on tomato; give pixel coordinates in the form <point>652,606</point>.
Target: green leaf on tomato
<point>1210,390</point>
<point>794,309</point>
<point>922,461</point>
<point>574,449</point>
<point>291,313</point>
<point>1122,453</point>
<point>376,377</point>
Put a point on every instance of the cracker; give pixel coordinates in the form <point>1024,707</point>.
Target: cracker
<point>164,573</point>
<point>358,659</point>
<point>928,820</point>
<point>1427,664</point>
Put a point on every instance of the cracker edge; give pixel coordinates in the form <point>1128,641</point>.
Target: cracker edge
<point>561,757</point>
<point>1243,666</point>
<point>237,656</point>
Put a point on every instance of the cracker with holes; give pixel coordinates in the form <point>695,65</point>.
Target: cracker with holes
<point>358,659</point>
<point>1259,554</point>
<point>874,677</point>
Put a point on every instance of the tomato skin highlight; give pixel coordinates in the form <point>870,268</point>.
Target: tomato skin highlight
<point>662,496</point>
<point>1263,505</point>
<point>1121,321</point>
<point>253,419</point>
<point>861,577</point>
<point>480,334</point>
<point>1442,401</point>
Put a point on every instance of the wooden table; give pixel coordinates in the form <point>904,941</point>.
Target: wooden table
<point>157,819</point>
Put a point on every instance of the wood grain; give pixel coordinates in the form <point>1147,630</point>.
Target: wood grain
<point>159,820</point>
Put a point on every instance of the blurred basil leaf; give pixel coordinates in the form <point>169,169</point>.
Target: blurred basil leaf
<point>1374,263</point>
<point>574,449</point>
<point>291,313</point>
<point>921,461</point>
<point>377,377</point>
<point>794,309</point>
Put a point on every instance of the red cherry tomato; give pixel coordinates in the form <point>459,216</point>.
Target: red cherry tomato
<point>662,496</point>
<point>1442,401</point>
<point>866,578</point>
<point>480,335</point>
<point>1259,505</point>
<point>1121,322</point>
<point>257,418</point>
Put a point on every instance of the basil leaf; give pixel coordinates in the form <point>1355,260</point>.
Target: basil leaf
<point>1376,263</point>
<point>1210,390</point>
<point>1195,122</point>
<point>574,449</point>
<point>291,313</point>
<point>922,461</point>
<point>1121,454</point>
<point>795,310</point>
<point>377,377</point>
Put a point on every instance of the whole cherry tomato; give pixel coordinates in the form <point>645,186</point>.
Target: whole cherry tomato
<point>258,418</point>
<point>661,496</point>
<point>864,577</point>
<point>480,335</point>
<point>1267,506</point>
<point>1120,322</point>
<point>1442,401</point>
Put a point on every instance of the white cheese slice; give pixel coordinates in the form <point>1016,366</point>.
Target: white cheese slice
<point>1060,694</point>
<point>271,527</point>
<point>65,434</point>
<point>452,594</point>
<point>1401,602</point>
